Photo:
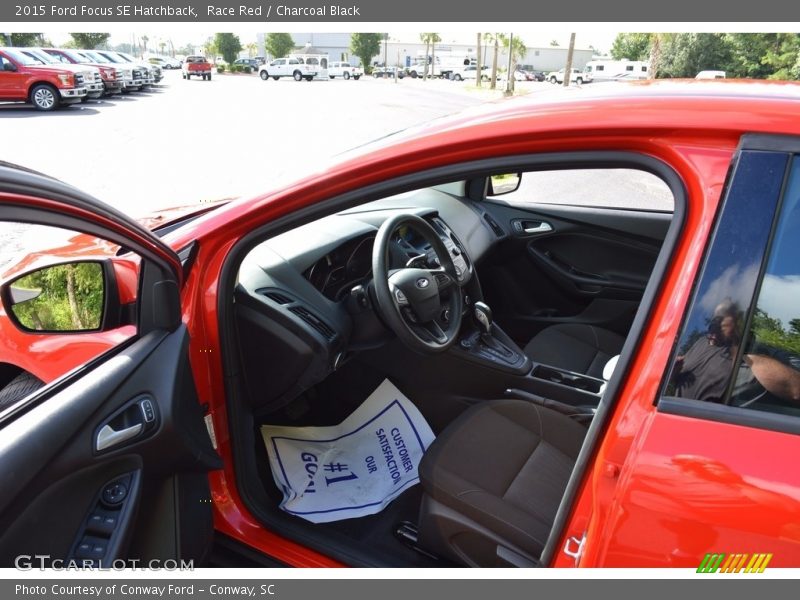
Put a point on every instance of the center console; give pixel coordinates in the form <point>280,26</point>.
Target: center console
<point>488,346</point>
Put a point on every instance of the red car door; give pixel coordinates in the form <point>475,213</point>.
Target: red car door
<point>712,471</point>
<point>122,477</point>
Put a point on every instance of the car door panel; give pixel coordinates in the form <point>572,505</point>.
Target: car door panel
<point>54,477</point>
<point>142,493</point>
<point>570,264</point>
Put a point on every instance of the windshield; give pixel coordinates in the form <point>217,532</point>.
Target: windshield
<point>126,57</point>
<point>25,59</point>
<point>112,58</point>
<point>42,56</point>
<point>94,56</point>
<point>76,56</point>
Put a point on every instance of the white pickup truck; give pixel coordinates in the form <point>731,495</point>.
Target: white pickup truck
<point>577,76</point>
<point>344,70</point>
<point>288,67</point>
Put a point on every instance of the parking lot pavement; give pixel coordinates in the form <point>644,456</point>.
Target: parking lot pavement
<point>189,141</point>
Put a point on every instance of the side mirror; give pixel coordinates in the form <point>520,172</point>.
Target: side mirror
<point>504,184</point>
<point>9,66</point>
<point>68,297</point>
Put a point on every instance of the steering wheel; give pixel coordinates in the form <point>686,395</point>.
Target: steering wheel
<point>421,305</point>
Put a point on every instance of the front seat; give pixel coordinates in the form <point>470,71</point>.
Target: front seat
<point>579,348</point>
<point>493,481</point>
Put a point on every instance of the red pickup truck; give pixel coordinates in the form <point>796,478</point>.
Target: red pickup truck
<point>197,66</point>
<point>113,77</point>
<point>24,79</point>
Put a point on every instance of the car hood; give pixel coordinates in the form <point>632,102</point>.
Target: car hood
<point>166,217</point>
<point>33,252</point>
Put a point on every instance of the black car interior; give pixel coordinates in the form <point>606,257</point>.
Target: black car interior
<point>497,318</point>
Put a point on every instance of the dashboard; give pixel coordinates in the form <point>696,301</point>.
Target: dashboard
<point>302,299</point>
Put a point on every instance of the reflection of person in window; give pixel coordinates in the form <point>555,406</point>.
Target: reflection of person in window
<point>704,371</point>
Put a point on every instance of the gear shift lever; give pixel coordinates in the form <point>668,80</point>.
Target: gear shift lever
<point>483,317</point>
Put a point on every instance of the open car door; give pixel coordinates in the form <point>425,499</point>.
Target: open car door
<point>109,462</point>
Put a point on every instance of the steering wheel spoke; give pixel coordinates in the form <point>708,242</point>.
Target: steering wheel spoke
<point>431,330</point>
<point>443,279</point>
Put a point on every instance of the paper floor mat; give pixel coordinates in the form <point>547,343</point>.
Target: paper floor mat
<point>352,469</point>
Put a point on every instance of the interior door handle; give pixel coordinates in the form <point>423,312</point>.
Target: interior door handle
<point>542,227</point>
<point>108,437</point>
<point>530,226</point>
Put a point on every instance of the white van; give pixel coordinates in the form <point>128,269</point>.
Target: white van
<point>344,70</point>
<point>710,75</point>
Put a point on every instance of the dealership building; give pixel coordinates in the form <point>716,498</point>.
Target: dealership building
<point>404,52</point>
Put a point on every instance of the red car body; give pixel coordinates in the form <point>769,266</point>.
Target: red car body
<point>197,66</point>
<point>661,490</point>
<point>111,83</point>
<point>19,81</point>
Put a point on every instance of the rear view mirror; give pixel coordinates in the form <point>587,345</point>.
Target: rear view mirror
<point>7,66</point>
<point>68,297</point>
<point>504,184</point>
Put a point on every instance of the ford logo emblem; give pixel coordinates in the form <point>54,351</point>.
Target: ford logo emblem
<point>422,283</point>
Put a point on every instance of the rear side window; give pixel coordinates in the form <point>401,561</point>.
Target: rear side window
<point>740,344</point>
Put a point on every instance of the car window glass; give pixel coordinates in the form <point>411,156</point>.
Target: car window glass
<point>65,298</point>
<point>60,58</point>
<point>604,188</point>
<point>25,59</point>
<point>768,376</point>
<point>733,350</point>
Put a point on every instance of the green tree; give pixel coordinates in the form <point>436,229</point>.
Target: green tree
<point>228,45</point>
<point>770,332</point>
<point>794,326</point>
<point>425,38</point>
<point>430,39</point>
<point>686,54</point>
<point>554,43</point>
<point>144,40</point>
<point>365,46</point>
<point>26,39</point>
<point>65,298</point>
<point>186,50</point>
<point>210,49</point>
<point>278,45</point>
<point>783,59</point>
<point>494,39</point>
<point>518,52</point>
<point>479,61</point>
<point>633,46</point>
<point>747,52</point>
<point>89,41</point>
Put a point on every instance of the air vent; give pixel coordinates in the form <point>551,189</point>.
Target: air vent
<point>277,296</point>
<point>315,322</point>
<point>498,231</point>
